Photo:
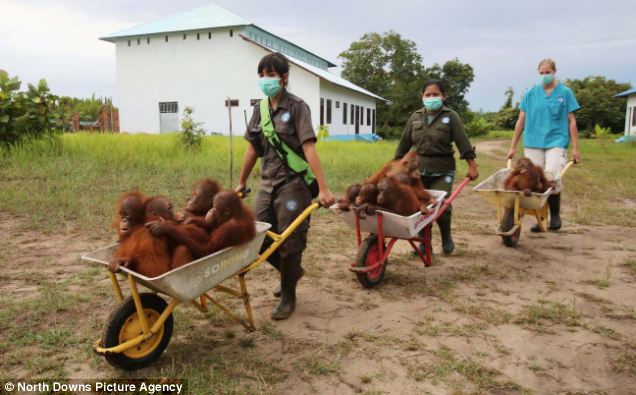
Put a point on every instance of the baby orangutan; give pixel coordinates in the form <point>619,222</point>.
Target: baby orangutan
<point>528,178</point>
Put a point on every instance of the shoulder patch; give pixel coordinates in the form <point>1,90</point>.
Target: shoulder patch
<point>446,120</point>
<point>285,117</point>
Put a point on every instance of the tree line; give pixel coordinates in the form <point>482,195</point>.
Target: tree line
<point>37,112</point>
<point>390,66</point>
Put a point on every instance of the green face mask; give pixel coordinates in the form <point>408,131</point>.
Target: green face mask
<point>270,86</point>
<point>546,79</point>
<point>433,103</point>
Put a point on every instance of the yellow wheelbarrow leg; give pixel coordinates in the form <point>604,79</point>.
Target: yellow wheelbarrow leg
<point>542,217</point>
<point>115,285</point>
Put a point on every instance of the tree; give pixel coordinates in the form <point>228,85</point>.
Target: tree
<point>9,108</point>
<point>595,94</point>
<point>390,66</point>
<point>507,116</point>
<point>457,77</point>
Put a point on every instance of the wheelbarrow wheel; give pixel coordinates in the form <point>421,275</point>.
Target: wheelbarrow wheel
<point>507,223</point>
<point>369,255</point>
<point>123,325</point>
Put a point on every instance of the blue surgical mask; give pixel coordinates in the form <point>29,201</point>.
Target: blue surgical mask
<point>433,103</point>
<point>546,79</point>
<point>270,86</point>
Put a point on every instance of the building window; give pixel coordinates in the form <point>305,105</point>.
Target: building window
<point>231,33</point>
<point>209,35</point>
<point>322,111</point>
<point>198,36</point>
<point>129,43</point>
<point>337,104</point>
<point>368,117</point>
<point>352,111</point>
<point>168,107</point>
<point>361,115</point>
<point>147,40</point>
<point>184,36</point>
<point>633,116</point>
<point>344,113</point>
<point>373,122</point>
<point>166,38</point>
<point>138,41</point>
<point>328,111</point>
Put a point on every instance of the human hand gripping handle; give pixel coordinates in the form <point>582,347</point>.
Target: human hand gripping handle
<point>326,198</point>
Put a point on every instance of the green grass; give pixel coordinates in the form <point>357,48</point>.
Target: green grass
<point>79,177</point>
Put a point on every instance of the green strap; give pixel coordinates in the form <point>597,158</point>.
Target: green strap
<point>289,157</point>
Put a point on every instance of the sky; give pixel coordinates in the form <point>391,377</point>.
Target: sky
<point>503,40</point>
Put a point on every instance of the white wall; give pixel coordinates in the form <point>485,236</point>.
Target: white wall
<point>339,94</point>
<point>196,73</point>
<point>630,129</point>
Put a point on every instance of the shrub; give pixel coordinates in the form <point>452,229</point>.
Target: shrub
<point>601,132</point>
<point>9,108</point>
<point>478,127</point>
<point>191,131</point>
<point>323,132</point>
<point>390,132</point>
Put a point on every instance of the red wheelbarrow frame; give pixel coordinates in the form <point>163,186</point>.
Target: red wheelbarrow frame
<point>384,252</point>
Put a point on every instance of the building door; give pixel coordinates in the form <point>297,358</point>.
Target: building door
<point>357,119</point>
<point>168,117</point>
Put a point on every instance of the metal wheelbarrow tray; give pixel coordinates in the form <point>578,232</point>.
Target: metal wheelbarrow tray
<point>189,281</point>
<point>394,225</point>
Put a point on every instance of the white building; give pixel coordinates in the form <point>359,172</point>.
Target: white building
<point>630,113</point>
<point>201,57</point>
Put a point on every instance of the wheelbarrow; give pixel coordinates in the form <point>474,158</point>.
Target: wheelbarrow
<point>373,252</point>
<point>138,330</point>
<point>512,206</point>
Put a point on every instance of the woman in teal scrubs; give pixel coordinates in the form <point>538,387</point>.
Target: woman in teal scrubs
<point>548,124</point>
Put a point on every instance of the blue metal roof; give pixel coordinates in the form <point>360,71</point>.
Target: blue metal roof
<point>207,17</point>
<point>627,93</point>
<point>324,74</point>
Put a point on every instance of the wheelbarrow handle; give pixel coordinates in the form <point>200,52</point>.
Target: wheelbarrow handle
<point>244,192</point>
<point>566,168</point>
<point>509,163</point>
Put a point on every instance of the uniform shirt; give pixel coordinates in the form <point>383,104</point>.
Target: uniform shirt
<point>434,141</point>
<point>546,123</point>
<point>292,122</point>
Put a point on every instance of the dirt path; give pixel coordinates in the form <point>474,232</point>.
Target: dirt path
<point>554,315</point>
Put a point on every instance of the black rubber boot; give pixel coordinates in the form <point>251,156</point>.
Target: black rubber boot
<point>554,202</point>
<point>277,291</point>
<point>444,223</point>
<point>289,275</point>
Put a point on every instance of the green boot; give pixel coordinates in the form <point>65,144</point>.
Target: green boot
<point>277,291</point>
<point>444,223</point>
<point>554,202</point>
<point>289,275</point>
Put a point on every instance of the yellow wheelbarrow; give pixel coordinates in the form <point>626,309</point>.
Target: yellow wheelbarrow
<point>512,206</point>
<point>138,330</point>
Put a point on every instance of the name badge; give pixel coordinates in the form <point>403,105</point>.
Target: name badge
<point>285,117</point>
<point>446,120</point>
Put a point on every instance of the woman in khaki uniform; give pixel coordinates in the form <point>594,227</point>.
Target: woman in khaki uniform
<point>431,131</point>
<point>284,194</point>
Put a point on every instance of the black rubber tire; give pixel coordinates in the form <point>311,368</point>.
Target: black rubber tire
<point>369,250</point>
<point>117,320</point>
<point>507,224</point>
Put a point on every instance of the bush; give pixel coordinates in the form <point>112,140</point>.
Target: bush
<point>601,132</point>
<point>323,132</point>
<point>390,132</point>
<point>191,131</point>
<point>478,127</point>
<point>9,108</point>
<point>506,118</point>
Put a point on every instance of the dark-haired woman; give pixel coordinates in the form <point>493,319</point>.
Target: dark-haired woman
<point>431,132</point>
<point>285,191</point>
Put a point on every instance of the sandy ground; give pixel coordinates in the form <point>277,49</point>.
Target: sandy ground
<point>554,315</point>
